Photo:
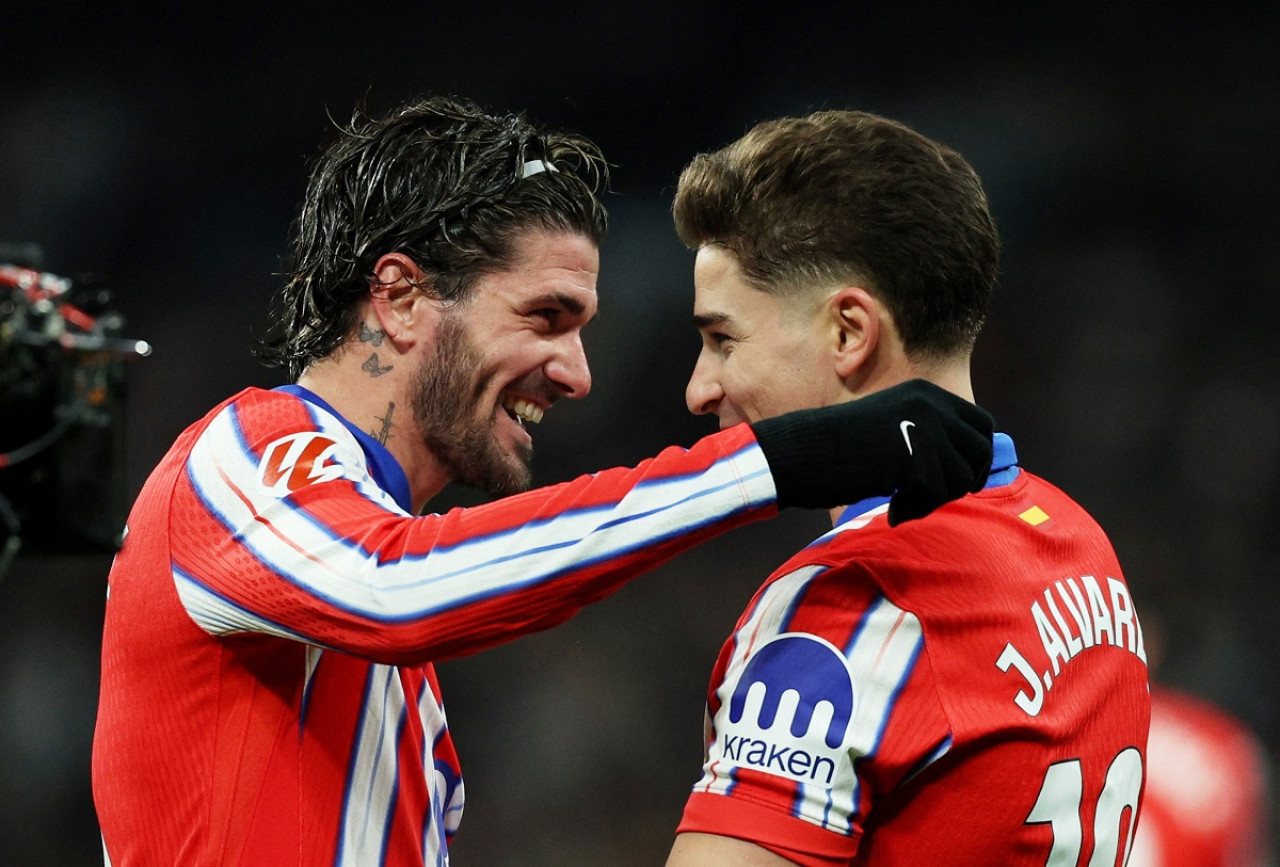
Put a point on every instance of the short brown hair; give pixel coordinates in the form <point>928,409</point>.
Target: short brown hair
<point>850,196</point>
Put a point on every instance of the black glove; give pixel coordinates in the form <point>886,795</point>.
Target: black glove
<point>915,441</point>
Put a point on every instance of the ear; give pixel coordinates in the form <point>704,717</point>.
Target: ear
<point>394,302</point>
<point>857,319</point>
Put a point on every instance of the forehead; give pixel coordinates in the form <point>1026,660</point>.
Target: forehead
<point>721,291</point>
<point>547,267</point>
<point>541,253</point>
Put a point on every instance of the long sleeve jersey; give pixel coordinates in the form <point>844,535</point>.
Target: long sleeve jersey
<point>267,693</point>
<point>965,690</point>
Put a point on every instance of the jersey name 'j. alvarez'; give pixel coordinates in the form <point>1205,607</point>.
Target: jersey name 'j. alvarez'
<point>267,692</point>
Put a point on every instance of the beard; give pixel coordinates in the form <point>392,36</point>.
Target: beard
<point>446,394</point>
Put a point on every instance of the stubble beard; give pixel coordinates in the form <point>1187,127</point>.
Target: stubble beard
<point>446,398</point>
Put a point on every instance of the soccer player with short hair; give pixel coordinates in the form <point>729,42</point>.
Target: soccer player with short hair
<point>267,692</point>
<point>966,689</point>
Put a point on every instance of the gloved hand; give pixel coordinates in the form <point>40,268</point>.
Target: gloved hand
<point>914,441</point>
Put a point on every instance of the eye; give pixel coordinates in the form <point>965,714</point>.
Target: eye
<point>550,315</point>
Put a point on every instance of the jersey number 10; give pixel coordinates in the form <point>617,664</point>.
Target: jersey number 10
<point>1059,803</point>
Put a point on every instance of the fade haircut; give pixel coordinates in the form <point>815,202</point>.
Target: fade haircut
<point>841,197</point>
<point>440,180</point>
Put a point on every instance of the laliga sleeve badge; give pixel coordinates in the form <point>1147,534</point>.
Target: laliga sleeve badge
<point>293,462</point>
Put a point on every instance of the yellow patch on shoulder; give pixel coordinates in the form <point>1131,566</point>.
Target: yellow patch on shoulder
<point>1035,516</point>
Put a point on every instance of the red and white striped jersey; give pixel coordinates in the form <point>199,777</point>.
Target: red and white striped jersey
<point>267,695</point>
<point>965,689</point>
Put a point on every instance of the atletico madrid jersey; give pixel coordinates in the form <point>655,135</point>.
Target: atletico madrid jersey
<point>267,696</point>
<point>969,688</point>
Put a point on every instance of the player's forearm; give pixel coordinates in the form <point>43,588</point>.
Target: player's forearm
<point>334,561</point>
<point>342,572</point>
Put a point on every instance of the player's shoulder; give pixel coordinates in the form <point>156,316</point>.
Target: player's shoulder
<point>277,442</point>
<point>864,534</point>
<point>267,407</point>
<point>1015,519</point>
<point>842,554</point>
<point>1042,488</point>
<point>258,417</point>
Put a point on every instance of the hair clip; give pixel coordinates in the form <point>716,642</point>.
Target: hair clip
<point>536,167</point>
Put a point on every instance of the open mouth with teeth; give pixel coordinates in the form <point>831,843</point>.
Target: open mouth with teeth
<point>522,410</point>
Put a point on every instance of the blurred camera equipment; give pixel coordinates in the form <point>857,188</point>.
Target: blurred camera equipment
<point>62,411</point>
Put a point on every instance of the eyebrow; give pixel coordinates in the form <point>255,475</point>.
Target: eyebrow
<point>563,299</point>
<point>706,320</point>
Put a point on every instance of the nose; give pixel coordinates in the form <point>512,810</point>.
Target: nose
<point>703,393</point>
<point>569,369</point>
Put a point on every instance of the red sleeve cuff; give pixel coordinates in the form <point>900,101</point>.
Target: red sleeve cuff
<point>794,839</point>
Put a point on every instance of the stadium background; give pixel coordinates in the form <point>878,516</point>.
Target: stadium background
<point>1130,151</point>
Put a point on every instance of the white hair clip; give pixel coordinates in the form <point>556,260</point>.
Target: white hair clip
<point>536,167</point>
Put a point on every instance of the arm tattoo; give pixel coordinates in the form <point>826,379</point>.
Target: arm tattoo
<point>372,367</point>
<point>371,335</point>
<point>385,433</point>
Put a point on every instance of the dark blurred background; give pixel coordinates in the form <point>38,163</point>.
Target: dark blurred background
<point>1132,155</point>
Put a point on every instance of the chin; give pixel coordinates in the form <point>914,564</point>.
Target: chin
<point>513,474</point>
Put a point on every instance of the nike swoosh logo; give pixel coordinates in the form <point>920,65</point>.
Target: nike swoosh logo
<point>906,435</point>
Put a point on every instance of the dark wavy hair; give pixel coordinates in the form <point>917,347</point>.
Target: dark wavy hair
<point>440,180</point>
<point>803,202</point>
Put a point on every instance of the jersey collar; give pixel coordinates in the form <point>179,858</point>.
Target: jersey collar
<point>383,466</point>
<point>1004,469</point>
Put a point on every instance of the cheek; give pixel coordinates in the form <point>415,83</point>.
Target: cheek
<point>772,389</point>
<point>745,385</point>
<point>521,353</point>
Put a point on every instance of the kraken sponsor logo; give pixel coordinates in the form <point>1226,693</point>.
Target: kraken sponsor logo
<point>790,711</point>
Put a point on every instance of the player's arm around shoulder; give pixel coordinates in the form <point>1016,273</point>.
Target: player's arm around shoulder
<point>713,850</point>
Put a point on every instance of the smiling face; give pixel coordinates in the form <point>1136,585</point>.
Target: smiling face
<point>760,357</point>
<point>504,356</point>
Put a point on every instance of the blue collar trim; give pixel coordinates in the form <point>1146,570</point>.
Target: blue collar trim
<point>383,466</point>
